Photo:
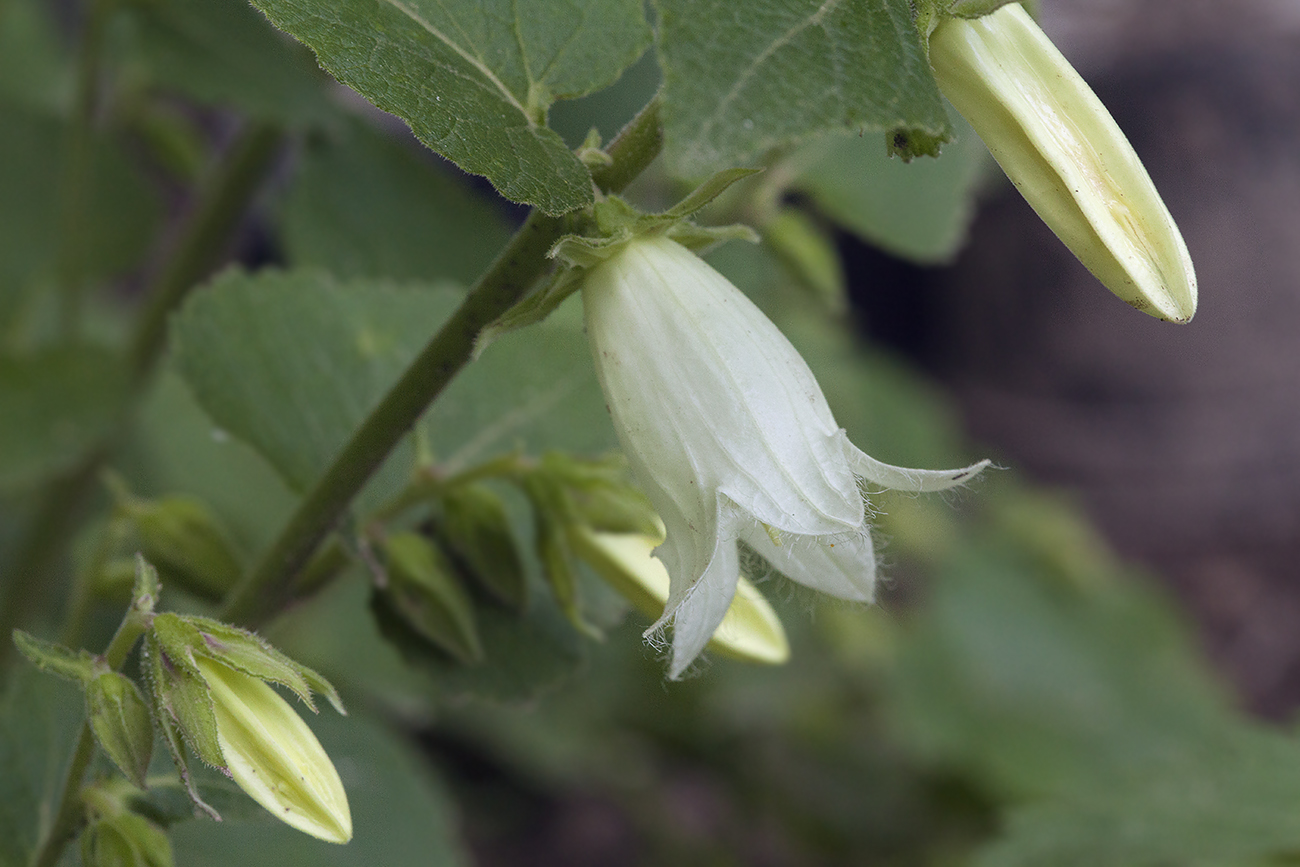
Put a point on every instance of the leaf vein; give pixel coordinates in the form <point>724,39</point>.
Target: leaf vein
<point>469,58</point>
<point>776,45</point>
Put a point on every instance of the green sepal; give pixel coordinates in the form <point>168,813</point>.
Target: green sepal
<point>599,494</point>
<point>553,515</point>
<point>151,663</point>
<point>705,193</point>
<point>590,151</point>
<point>424,592</point>
<point>532,309</point>
<point>181,699</point>
<point>476,530</point>
<point>978,8</point>
<point>77,665</point>
<point>615,223</point>
<point>145,589</point>
<point>930,12</point>
<point>119,718</point>
<point>188,636</point>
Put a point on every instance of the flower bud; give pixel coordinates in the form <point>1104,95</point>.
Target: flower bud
<point>185,541</point>
<point>120,721</point>
<point>273,756</point>
<point>476,528</point>
<point>1066,155</point>
<point>425,592</point>
<point>125,840</point>
<point>209,686</point>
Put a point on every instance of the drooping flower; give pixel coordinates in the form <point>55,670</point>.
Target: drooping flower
<point>730,436</point>
<point>1061,148</point>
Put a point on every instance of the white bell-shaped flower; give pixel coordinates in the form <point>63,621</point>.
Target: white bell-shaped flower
<point>730,435</point>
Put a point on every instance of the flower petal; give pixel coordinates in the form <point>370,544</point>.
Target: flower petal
<point>843,567</point>
<point>706,392</point>
<point>695,609</point>
<point>905,479</point>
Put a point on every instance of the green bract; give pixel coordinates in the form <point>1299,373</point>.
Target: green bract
<point>1066,155</point>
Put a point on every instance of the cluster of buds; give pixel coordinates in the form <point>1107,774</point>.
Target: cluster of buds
<point>207,686</point>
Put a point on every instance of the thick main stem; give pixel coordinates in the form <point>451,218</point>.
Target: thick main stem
<point>506,281</point>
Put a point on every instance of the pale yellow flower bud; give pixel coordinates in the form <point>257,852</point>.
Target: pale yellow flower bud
<point>1066,155</point>
<point>273,756</point>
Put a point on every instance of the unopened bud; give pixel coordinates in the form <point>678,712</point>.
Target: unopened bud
<point>187,543</point>
<point>476,528</point>
<point>125,840</point>
<point>424,591</point>
<point>209,685</point>
<point>1066,155</point>
<point>119,718</point>
<point>273,756</point>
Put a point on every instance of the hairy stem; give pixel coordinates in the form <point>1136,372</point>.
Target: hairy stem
<point>76,176</point>
<point>269,586</point>
<point>70,811</point>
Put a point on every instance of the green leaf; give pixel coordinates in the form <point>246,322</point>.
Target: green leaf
<point>223,52</point>
<point>918,210</point>
<point>743,78</point>
<point>292,362</point>
<point>401,813</point>
<point>1233,800</point>
<point>365,205</point>
<point>33,66</point>
<point>531,390</point>
<point>475,79</point>
<point>54,658</point>
<point>54,404</point>
<point>38,720</point>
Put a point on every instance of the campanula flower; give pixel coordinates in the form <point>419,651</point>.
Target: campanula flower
<point>730,436</point>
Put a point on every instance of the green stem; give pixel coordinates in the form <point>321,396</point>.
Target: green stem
<point>222,202</point>
<point>269,586</point>
<point>68,815</point>
<point>223,198</point>
<point>75,187</point>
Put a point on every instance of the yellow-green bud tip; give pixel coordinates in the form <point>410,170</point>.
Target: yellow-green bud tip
<point>273,756</point>
<point>1066,155</point>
